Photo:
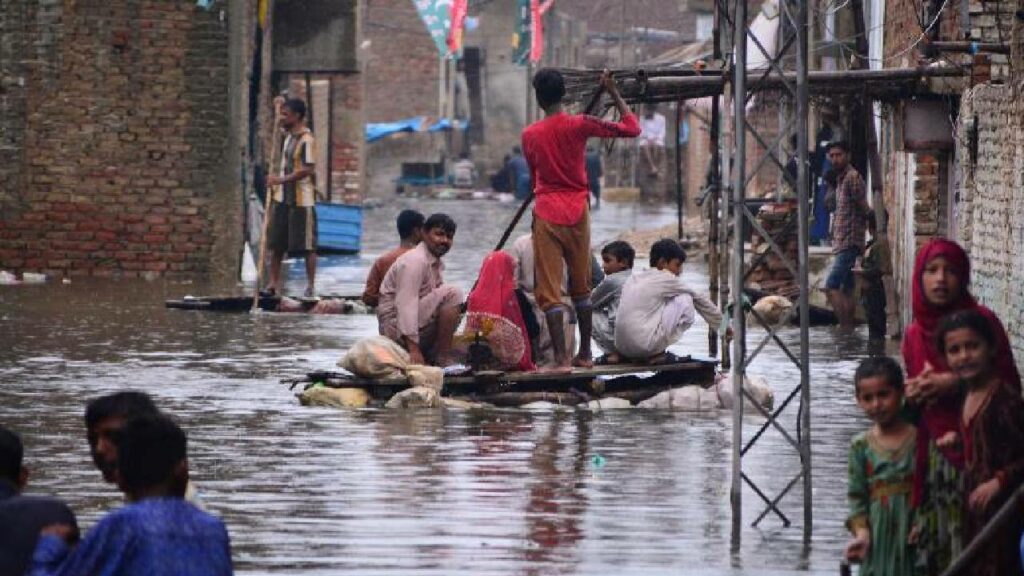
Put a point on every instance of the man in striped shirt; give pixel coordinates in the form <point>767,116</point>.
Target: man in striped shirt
<point>293,210</point>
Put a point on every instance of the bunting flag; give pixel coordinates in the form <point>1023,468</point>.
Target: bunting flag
<point>521,43</point>
<point>537,12</point>
<point>458,24</point>
<point>437,15</point>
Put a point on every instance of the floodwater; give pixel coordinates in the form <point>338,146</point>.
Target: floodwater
<point>374,492</point>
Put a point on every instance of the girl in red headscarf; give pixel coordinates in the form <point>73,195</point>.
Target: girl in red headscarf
<point>493,312</point>
<point>942,274</point>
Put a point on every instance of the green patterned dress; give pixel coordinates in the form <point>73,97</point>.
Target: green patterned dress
<point>879,496</point>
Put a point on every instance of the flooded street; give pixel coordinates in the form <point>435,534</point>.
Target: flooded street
<point>323,491</point>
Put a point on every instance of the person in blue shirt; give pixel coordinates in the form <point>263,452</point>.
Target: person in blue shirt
<point>520,169</point>
<point>157,533</point>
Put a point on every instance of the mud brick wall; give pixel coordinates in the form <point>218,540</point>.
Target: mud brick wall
<point>990,221</point>
<point>114,124</point>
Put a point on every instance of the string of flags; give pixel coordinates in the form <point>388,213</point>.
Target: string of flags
<point>447,22</point>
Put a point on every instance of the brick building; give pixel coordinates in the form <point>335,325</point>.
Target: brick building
<point>129,132</point>
<point>931,183</point>
<point>404,80</point>
<point>121,124</point>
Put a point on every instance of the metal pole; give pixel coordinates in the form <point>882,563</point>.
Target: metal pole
<point>803,238</point>
<point>738,317</point>
<point>679,170</point>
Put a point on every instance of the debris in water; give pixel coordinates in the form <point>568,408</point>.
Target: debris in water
<point>597,461</point>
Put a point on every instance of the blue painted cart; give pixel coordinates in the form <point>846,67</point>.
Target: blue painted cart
<point>339,228</point>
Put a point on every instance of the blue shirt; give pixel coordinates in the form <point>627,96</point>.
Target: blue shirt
<point>155,537</point>
<point>521,171</point>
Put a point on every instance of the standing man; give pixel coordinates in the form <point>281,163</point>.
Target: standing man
<point>293,211</point>
<point>554,148</point>
<point>848,225</point>
<point>410,232</point>
<point>417,309</point>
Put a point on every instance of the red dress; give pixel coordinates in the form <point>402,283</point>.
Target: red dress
<point>493,310</point>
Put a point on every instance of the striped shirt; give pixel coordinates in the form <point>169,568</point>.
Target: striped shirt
<point>848,225</point>
<point>298,151</point>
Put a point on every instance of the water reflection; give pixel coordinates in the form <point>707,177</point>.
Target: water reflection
<point>320,491</point>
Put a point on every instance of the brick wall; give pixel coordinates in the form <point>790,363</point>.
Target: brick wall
<point>115,124</point>
<point>989,220</point>
<point>401,67</point>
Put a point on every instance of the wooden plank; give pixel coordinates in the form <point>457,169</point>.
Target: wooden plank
<point>240,303</point>
<point>339,379</point>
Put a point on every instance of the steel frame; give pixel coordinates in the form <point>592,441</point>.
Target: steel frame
<point>729,208</point>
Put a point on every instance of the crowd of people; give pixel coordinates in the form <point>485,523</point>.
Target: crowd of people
<point>540,291</point>
<point>946,448</point>
<point>160,531</point>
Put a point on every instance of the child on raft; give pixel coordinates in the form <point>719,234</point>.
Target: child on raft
<point>881,468</point>
<point>617,264</point>
<point>656,308</point>
<point>991,437</point>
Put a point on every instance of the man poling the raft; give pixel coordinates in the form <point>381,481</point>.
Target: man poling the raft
<point>555,148</point>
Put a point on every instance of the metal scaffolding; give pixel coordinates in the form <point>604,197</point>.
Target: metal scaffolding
<point>786,72</point>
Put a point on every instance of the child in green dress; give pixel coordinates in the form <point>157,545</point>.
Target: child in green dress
<point>881,472</point>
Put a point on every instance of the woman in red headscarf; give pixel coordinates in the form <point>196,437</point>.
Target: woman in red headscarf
<point>942,275</point>
<point>493,312</point>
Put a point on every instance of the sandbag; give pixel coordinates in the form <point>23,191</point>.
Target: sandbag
<point>415,398</point>
<point>687,398</point>
<point>773,309</point>
<point>334,397</point>
<point>375,357</point>
<point>609,403</point>
<point>425,376</point>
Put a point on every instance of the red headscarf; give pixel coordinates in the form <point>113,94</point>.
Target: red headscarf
<point>493,310</point>
<point>919,348</point>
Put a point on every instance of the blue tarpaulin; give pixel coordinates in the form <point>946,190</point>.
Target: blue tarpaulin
<point>380,130</point>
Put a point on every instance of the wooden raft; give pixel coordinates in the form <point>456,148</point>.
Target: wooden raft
<point>244,303</point>
<point>518,388</point>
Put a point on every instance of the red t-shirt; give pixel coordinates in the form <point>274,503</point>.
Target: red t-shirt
<point>555,148</point>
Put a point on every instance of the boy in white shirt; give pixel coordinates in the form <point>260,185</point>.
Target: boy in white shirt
<point>656,308</point>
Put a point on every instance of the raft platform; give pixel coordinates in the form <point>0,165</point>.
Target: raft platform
<point>244,303</point>
<point>632,382</point>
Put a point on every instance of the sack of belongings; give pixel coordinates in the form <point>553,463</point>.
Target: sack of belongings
<point>381,357</point>
<point>375,357</point>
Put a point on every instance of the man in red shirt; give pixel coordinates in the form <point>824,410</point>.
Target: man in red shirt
<point>555,148</point>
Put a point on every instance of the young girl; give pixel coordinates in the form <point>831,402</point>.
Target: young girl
<point>941,279</point>
<point>991,435</point>
<point>881,469</point>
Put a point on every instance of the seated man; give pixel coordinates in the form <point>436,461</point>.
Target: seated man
<point>656,308</point>
<point>464,172</point>
<point>22,517</point>
<point>410,232</point>
<point>543,354</point>
<point>157,533</point>
<point>617,263</point>
<point>417,309</point>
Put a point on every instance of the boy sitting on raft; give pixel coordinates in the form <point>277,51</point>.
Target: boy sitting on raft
<point>656,308</point>
<point>617,264</point>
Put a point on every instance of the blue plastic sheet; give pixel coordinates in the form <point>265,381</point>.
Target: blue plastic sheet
<point>380,130</point>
